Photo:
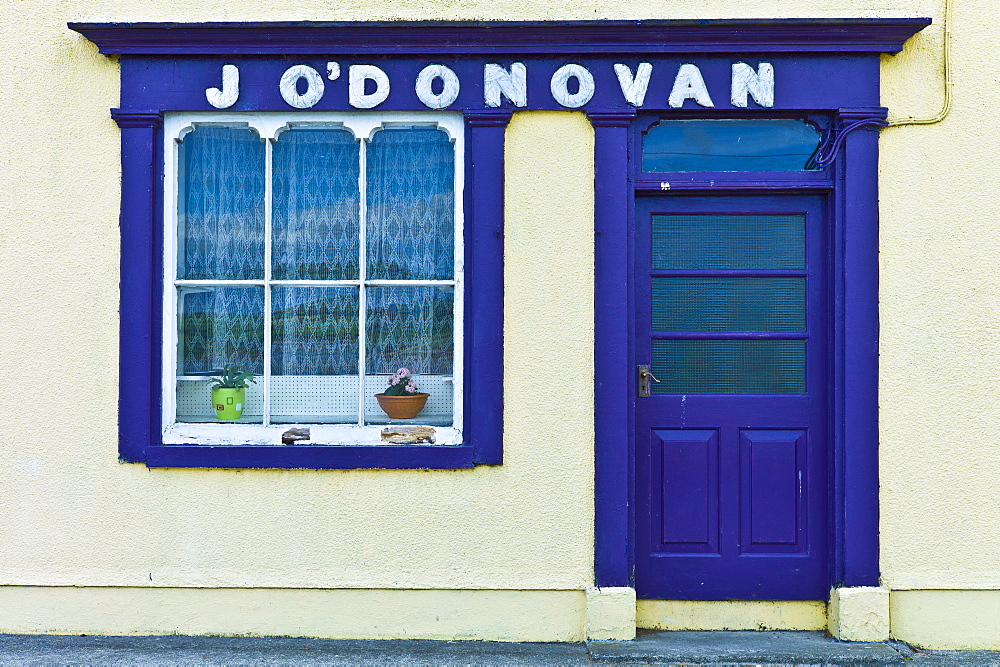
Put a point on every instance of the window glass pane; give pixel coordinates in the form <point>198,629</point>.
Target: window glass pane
<point>411,204</point>
<point>314,330</point>
<point>728,241</point>
<point>220,221</point>
<point>411,327</point>
<point>218,326</point>
<point>729,304</point>
<point>316,204</point>
<point>314,354</point>
<point>729,366</point>
<point>730,145</point>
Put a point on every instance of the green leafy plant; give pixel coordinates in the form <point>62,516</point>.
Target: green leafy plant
<point>231,377</point>
<point>401,384</point>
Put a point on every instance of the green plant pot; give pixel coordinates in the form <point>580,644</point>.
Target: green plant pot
<point>229,402</point>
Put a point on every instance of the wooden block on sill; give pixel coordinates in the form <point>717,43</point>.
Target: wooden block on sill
<point>408,435</point>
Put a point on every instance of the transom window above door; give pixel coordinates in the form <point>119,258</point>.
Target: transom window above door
<point>322,255</point>
<point>762,144</point>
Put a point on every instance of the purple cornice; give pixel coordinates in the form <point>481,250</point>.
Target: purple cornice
<point>504,38</point>
<point>127,118</point>
<point>851,114</point>
<point>611,118</point>
<point>487,117</point>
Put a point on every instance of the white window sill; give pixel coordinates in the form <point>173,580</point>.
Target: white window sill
<point>320,434</point>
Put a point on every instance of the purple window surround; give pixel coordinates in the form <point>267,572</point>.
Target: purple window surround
<point>140,328</point>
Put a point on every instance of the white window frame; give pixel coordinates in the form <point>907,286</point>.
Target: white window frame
<point>269,125</point>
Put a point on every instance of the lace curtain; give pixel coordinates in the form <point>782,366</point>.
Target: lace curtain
<point>316,235</point>
<point>314,330</point>
<point>220,326</point>
<point>221,237</point>
<point>316,210</point>
<point>221,217</point>
<point>410,327</point>
<point>410,236</point>
<point>411,205</point>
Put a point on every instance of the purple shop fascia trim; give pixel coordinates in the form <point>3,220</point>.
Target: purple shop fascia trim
<point>141,281</point>
<point>504,38</point>
<point>142,212</point>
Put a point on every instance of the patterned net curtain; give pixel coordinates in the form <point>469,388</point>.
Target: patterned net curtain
<point>315,222</point>
<point>316,225</point>
<point>221,237</point>
<point>410,236</point>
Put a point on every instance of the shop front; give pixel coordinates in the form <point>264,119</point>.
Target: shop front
<point>323,203</point>
<point>632,268</point>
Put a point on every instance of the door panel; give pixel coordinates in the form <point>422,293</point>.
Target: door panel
<point>771,471</point>
<point>688,462</point>
<point>731,316</point>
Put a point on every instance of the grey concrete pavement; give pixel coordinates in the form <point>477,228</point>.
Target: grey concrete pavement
<point>772,648</point>
<point>668,648</point>
<point>177,650</point>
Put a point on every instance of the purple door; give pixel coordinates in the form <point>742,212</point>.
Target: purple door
<point>731,440</point>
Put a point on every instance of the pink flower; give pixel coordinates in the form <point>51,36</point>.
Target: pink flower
<point>411,387</point>
<point>403,372</point>
<point>394,380</point>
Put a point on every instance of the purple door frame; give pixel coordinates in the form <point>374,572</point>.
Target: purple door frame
<point>853,465</point>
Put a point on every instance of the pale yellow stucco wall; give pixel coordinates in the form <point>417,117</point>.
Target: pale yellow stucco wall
<point>939,352</point>
<point>946,619</point>
<point>71,515</point>
<point>940,301</point>
<point>731,615</point>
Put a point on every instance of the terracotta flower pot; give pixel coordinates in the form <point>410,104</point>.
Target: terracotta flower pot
<point>402,407</point>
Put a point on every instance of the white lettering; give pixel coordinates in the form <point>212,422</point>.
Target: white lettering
<point>289,86</point>
<point>513,84</point>
<point>332,71</point>
<point>559,85</point>
<point>356,77</point>
<point>449,89</point>
<point>689,85</point>
<point>759,85</point>
<point>225,98</point>
<point>634,88</point>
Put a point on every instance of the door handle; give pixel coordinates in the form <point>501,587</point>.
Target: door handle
<point>644,378</point>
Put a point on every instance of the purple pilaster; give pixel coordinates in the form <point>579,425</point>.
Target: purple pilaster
<point>856,353</point>
<point>612,347</point>
<point>484,185</point>
<point>139,338</point>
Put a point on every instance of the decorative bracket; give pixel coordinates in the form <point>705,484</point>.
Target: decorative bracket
<point>847,120</point>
